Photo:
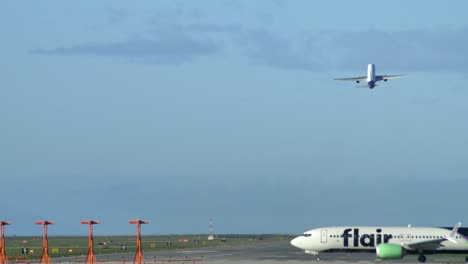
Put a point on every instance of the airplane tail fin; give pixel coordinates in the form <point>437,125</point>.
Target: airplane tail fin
<point>453,233</point>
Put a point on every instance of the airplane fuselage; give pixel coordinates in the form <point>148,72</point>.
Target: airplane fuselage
<point>371,76</point>
<point>368,238</point>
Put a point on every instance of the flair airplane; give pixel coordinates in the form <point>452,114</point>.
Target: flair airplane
<point>386,242</point>
<point>371,78</point>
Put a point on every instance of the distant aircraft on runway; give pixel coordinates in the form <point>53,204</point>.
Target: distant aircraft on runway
<point>371,78</point>
<point>387,242</point>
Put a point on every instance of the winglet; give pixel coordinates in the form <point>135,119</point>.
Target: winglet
<point>451,236</point>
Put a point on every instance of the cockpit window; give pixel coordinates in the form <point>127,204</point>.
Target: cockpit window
<point>307,235</point>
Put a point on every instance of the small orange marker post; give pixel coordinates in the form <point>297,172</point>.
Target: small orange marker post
<point>91,258</point>
<point>3,257</point>
<point>45,259</point>
<point>139,258</point>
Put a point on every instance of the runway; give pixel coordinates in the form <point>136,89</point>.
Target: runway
<point>274,252</point>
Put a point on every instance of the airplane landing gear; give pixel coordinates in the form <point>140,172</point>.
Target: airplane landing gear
<point>318,259</point>
<point>422,258</point>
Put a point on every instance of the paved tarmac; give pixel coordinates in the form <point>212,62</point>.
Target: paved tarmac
<point>263,253</point>
<point>281,252</point>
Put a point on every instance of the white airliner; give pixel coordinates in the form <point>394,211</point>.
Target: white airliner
<point>387,242</point>
<point>371,78</point>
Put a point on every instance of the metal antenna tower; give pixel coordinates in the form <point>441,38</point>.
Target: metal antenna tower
<point>91,258</point>
<point>3,257</point>
<point>139,258</point>
<point>211,236</point>
<point>45,259</point>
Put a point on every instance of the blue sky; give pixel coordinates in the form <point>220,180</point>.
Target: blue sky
<point>179,111</point>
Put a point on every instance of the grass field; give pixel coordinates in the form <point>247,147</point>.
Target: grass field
<point>68,246</point>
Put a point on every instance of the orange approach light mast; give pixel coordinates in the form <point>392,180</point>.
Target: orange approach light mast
<point>45,259</point>
<point>139,258</point>
<point>91,258</point>
<point>3,257</point>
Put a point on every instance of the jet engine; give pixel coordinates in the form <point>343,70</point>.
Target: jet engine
<point>390,251</point>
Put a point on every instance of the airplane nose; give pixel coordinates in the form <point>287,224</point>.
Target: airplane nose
<point>295,242</point>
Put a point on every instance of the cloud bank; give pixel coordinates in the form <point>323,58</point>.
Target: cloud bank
<point>170,46</point>
<point>415,50</point>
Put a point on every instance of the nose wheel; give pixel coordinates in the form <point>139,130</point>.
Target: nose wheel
<point>422,258</point>
<point>318,259</point>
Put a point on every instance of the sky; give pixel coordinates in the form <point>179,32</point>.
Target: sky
<point>181,111</point>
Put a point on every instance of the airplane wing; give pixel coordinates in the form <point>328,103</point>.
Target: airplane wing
<point>432,244</point>
<point>353,79</point>
<point>387,77</point>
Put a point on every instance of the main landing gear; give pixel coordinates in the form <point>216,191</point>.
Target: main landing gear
<point>422,258</point>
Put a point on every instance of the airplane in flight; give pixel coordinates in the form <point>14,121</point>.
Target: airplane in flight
<point>371,78</point>
<point>386,242</point>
